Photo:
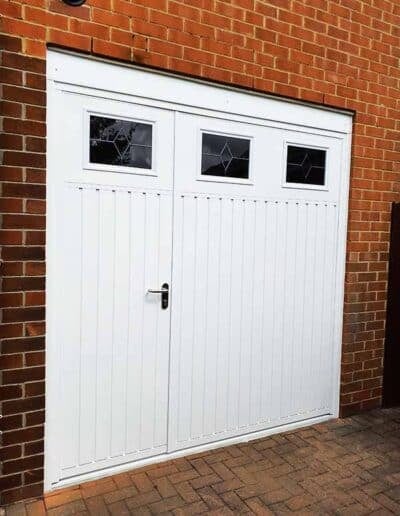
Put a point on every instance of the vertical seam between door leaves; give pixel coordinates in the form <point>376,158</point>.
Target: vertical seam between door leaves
<point>171,287</point>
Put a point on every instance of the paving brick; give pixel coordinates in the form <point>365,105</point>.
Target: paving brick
<point>167,504</point>
<point>176,478</point>
<point>268,483</point>
<point>96,506</point>
<point>142,499</point>
<point>183,464</point>
<point>165,487</point>
<point>297,503</point>
<point>221,511</point>
<point>122,480</point>
<point>191,509</point>
<point>279,495</point>
<point>120,494</point>
<point>322,478</point>
<point>373,488</point>
<point>142,482</point>
<point>227,485</point>
<point>209,496</point>
<point>187,492</point>
<point>278,508</point>
<point>95,488</point>
<point>237,461</point>
<point>253,490</point>
<point>293,487</point>
<point>207,480</point>
<point>222,471</point>
<point>259,465</point>
<point>348,483</point>
<point>365,500</point>
<point>283,469</point>
<point>352,510</point>
<point>257,507</point>
<point>201,466</point>
<point>68,509</point>
<point>119,509</point>
<point>245,476</point>
<point>19,509</point>
<point>394,493</point>
<point>217,457</point>
<point>143,511</point>
<point>62,498</point>
<point>232,500</point>
<point>36,508</point>
<point>325,478</point>
<point>162,471</point>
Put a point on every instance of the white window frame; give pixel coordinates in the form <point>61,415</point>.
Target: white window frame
<point>102,167</point>
<point>222,179</point>
<point>303,186</point>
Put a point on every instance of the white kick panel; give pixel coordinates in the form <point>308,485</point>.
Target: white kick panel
<point>253,315</point>
<point>115,359</point>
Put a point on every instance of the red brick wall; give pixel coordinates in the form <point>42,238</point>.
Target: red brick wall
<point>341,53</point>
<point>22,205</point>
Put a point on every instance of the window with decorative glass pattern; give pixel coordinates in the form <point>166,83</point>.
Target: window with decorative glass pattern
<point>119,142</point>
<point>305,165</point>
<point>225,156</point>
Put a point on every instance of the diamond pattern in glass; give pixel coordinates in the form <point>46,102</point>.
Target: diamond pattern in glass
<point>305,165</point>
<point>120,142</point>
<point>225,156</point>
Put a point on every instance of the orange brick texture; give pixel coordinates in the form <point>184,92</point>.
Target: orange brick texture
<point>342,53</point>
<point>343,467</point>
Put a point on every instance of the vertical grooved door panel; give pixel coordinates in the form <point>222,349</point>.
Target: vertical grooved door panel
<point>253,317</point>
<point>254,279</point>
<point>113,242</point>
<point>115,382</point>
<point>144,193</point>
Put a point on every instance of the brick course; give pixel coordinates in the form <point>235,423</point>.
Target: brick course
<point>341,53</point>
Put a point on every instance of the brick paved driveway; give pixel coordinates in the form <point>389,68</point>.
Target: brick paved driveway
<point>349,466</point>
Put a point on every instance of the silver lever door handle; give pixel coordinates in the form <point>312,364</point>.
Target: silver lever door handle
<point>164,291</point>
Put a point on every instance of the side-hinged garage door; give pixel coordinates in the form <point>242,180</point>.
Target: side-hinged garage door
<point>110,226</point>
<point>195,265</point>
<point>256,219</point>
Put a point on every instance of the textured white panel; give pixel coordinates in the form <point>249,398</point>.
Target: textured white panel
<point>253,316</point>
<point>116,347</point>
<point>70,354</point>
<point>252,334</point>
<point>89,201</point>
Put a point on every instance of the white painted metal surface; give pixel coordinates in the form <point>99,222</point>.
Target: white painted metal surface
<point>251,340</point>
<point>115,345</point>
<point>111,242</point>
<point>254,290</point>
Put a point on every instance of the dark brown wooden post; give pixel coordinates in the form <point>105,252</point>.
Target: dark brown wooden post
<point>391,373</point>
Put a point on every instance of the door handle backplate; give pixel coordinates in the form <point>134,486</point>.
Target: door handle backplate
<point>164,291</point>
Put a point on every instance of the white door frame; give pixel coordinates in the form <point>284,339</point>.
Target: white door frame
<point>101,79</point>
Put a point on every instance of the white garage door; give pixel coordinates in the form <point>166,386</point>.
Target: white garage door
<point>196,248</point>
